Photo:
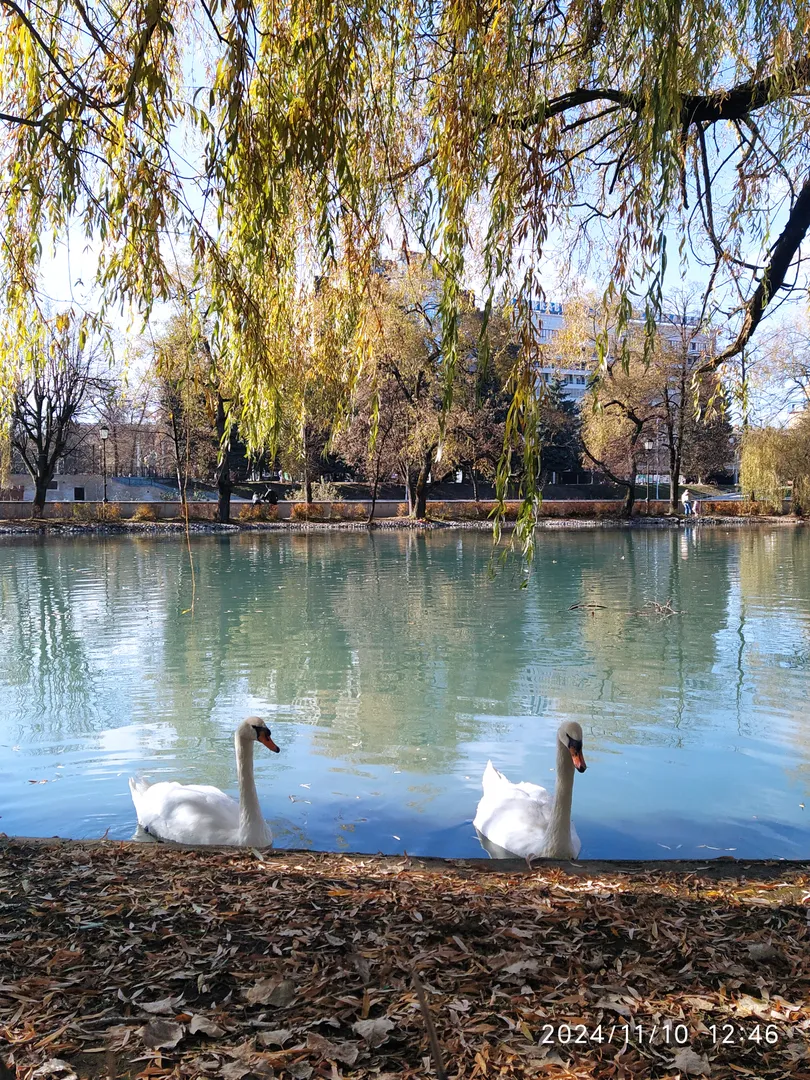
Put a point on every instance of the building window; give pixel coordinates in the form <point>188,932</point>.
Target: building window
<point>78,494</point>
<point>53,486</point>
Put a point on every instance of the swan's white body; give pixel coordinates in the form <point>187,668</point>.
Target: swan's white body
<point>523,818</point>
<point>201,814</point>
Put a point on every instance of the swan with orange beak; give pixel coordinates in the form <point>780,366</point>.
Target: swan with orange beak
<point>200,814</point>
<point>523,819</point>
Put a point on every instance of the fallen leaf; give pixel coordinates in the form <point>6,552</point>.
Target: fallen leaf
<point>375,1031</point>
<point>345,1052</point>
<point>300,1070</point>
<point>762,951</point>
<point>277,1037</point>
<point>162,1034</point>
<point>54,1067</point>
<point>235,1070</point>
<point>687,1061</point>
<point>164,1007</point>
<point>278,992</point>
<point>206,1026</point>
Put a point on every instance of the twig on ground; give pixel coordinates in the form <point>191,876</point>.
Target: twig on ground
<point>435,1049</point>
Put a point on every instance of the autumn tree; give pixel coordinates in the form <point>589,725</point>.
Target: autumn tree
<point>626,407</point>
<point>771,459</point>
<point>199,410</point>
<point>313,136</point>
<point>374,434</point>
<point>65,380</point>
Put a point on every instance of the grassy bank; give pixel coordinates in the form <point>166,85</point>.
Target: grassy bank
<point>127,960</point>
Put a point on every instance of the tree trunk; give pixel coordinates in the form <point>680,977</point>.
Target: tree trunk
<point>674,473</point>
<point>223,470</point>
<point>676,439</point>
<point>410,492</point>
<point>41,493</point>
<point>629,499</point>
<point>474,474</point>
<point>307,477</point>
<point>374,489</point>
<point>420,507</point>
<point>181,486</point>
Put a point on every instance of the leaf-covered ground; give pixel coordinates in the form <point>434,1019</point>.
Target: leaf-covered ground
<point>123,960</point>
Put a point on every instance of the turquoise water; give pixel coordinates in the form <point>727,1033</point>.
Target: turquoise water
<point>390,666</point>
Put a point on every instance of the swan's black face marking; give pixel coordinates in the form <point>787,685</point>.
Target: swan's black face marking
<point>263,736</point>
<point>575,750</point>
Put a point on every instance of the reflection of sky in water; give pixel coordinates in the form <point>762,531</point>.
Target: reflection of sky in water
<point>390,667</point>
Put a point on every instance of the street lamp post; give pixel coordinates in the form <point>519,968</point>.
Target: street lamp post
<point>104,434</point>
<point>648,447</point>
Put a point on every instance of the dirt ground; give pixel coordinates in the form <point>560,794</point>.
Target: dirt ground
<point>125,960</point>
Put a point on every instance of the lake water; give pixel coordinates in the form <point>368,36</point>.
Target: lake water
<point>391,665</point>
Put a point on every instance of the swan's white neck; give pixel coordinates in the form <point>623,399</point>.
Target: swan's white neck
<point>252,828</point>
<point>558,833</point>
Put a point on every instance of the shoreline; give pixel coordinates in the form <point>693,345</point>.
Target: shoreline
<point>125,959</point>
<point>716,868</point>
<point>47,527</point>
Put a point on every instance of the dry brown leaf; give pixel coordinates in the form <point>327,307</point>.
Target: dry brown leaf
<point>345,1052</point>
<point>277,1037</point>
<point>162,1034</point>
<point>164,1007</point>
<point>206,1026</point>
<point>690,1063</point>
<point>376,1031</point>
<point>278,992</point>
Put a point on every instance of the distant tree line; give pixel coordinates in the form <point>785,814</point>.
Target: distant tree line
<point>399,425</point>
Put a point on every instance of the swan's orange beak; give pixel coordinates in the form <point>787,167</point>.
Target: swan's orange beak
<point>265,740</point>
<point>577,758</point>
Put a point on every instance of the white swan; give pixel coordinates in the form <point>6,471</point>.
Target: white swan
<point>200,814</point>
<point>523,818</point>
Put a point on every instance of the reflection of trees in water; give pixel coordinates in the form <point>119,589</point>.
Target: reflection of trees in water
<point>645,676</point>
<point>45,667</point>
<point>398,647</point>
<point>413,613</point>
<point>770,610</point>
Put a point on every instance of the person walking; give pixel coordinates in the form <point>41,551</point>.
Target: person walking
<point>686,499</point>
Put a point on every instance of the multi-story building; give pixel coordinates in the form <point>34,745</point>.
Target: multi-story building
<point>681,331</point>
